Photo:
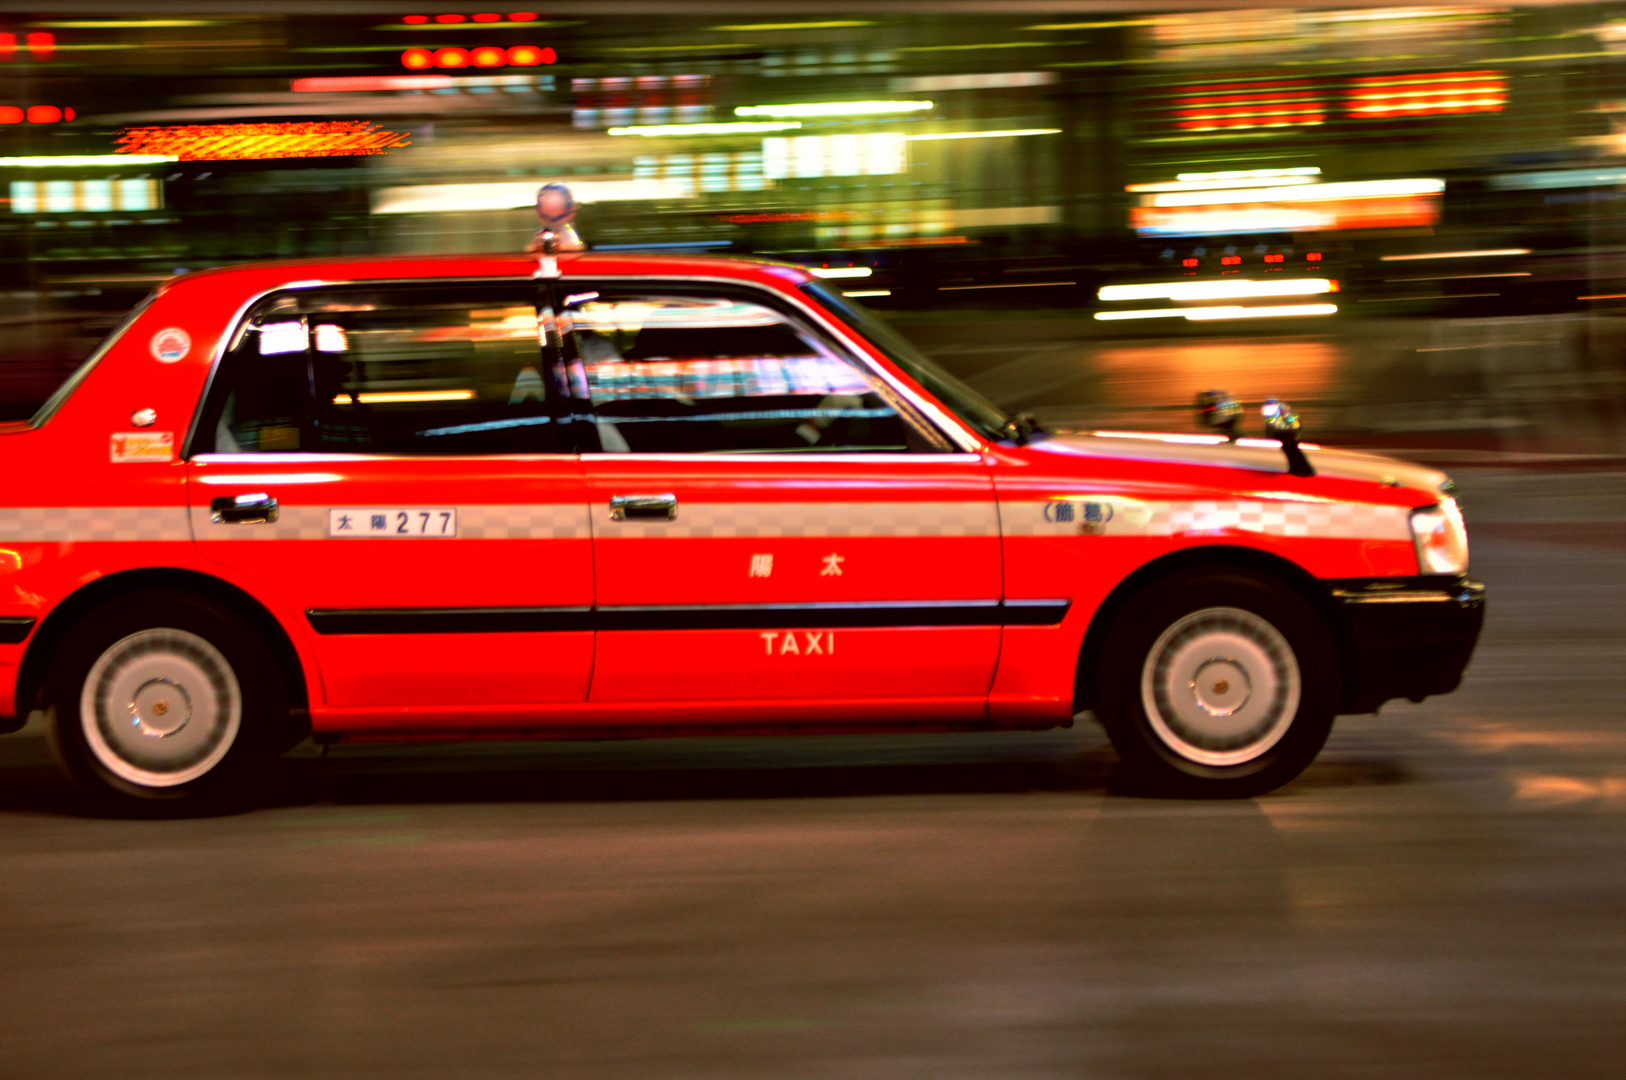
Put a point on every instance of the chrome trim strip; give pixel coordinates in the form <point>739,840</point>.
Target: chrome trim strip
<point>1402,596</point>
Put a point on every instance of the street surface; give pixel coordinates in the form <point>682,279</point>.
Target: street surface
<point>1443,894</point>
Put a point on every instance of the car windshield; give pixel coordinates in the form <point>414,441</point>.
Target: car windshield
<point>988,419</point>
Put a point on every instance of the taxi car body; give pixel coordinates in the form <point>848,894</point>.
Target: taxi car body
<point>456,497</point>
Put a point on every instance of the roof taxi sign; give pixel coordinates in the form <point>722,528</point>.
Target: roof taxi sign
<point>556,209</point>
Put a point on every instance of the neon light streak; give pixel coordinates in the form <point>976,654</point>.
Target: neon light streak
<point>1011,134</point>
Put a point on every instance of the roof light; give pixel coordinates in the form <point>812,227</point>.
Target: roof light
<point>1229,289</point>
<point>744,128</point>
<point>834,108</point>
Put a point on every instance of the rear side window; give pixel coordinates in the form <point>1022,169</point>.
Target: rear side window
<point>434,369</point>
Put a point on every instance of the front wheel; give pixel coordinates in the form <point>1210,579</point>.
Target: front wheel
<point>1217,683</point>
<point>163,699</point>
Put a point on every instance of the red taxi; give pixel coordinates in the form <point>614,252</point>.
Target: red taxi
<point>460,497</point>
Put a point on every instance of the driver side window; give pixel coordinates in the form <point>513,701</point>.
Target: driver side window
<point>719,374</point>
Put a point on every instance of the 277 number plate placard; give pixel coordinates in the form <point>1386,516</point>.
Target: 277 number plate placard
<point>401,522</point>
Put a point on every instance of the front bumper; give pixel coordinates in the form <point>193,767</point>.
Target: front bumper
<point>1405,637</point>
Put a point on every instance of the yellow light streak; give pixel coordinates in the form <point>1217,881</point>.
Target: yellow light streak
<point>1220,185</point>
<point>832,24</point>
<point>1011,134</point>
<point>124,24</point>
<point>402,397</point>
<point>1487,253</point>
<point>867,292</point>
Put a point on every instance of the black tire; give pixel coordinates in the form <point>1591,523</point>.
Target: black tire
<point>1217,684</point>
<point>129,670</point>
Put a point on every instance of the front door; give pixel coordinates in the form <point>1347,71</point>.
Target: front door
<point>772,523</point>
<point>381,460</point>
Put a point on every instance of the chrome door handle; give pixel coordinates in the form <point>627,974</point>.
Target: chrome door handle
<point>256,509</point>
<point>643,507</point>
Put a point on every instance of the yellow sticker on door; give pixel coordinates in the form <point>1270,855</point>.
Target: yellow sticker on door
<point>137,446</point>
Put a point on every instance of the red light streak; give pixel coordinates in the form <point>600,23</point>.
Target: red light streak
<point>416,20</point>
<point>448,18</point>
<point>8,46</point>
<point>1314,256</point>
<point>1189,262</point>
<point>34,114</point>
<point>488,56</point>
<point>1220,106</point>
<point>42,46</point>
<point>451,58</point>
<point>522,16</point>
<point>1274,258</point>
<point>10,114</point>
<point>418,58</point>
<point>245,142</point>
<point>44,114</point>
<point>1231,260</point>
<point>488,18</point>
<point>338,84</point>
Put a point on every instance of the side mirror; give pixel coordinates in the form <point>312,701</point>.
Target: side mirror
<point>1282,422</point>
<point>1217,409</point>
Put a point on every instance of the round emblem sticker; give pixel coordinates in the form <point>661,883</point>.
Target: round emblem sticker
<point>171,345</point>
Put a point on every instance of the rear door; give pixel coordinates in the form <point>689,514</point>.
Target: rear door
<point>772,522</point>
<point>381,460</point>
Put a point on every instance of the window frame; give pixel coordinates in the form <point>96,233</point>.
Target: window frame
<point>211,401</point>
<point>922,415</point>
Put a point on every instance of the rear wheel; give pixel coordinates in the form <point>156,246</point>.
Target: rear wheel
<point>1217,683</point>
<point>164,699</point>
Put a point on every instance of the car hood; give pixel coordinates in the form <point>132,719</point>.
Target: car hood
<point>1261,455</point>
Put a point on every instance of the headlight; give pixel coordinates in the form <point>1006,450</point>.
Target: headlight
<point>1441,539</point>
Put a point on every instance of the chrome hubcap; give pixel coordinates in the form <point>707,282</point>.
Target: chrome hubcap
<point>161,707</point>
<point>1221,686</point>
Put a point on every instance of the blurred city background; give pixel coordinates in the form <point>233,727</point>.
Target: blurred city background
<point>1404,220</point>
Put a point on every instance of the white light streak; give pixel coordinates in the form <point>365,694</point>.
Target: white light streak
<point>741,128</point>
<point>402,397</point>
<point>1223,289</point>
<point>840,271</point>
<point>1218,314</point>
<point>1351,189</point>
<point>268,478</point>
<point>867,292</point>
<point>85,161</point>
<point>1221,185</point>
<point>457,198</point>
<point>834,108</point>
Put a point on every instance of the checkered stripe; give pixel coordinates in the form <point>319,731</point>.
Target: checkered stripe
<point>491,521</point>
<point>87,524</point>
<point>723,520</point>
<point>1132,517</point>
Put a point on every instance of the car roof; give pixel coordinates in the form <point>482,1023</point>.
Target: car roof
<point>258,277</point>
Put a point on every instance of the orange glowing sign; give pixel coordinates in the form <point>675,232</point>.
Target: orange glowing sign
<point>1445,93</point>
<point>483,56</point>
<point>1229,106</point>
<point>246,142</point>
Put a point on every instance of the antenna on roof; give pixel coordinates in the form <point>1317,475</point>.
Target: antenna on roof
<point>556,209</point>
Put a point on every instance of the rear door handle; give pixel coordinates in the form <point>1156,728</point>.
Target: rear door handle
<point>256,509</point>
<point>661,507</point>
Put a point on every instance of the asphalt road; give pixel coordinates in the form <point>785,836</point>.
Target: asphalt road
<point>1443,894</point>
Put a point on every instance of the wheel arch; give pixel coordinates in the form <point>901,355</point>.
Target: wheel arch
<point>1217,556</point>
<point>43,644</point>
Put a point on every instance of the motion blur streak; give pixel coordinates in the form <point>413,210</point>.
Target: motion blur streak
<point>244,142</point>
<point>1224,289</point>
